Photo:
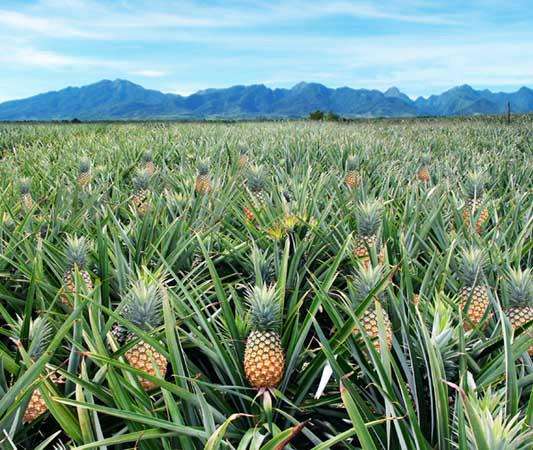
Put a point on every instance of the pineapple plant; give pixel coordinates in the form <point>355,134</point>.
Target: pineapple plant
<point>474,209</point>
<point>84,172</point>
<point>40,332</point>
<point>519,288</point>
<point>142,307</point>
<point>369,217</point>
<point>76,255</point>
<point>474,294</point>
<point>25,193</point>
<point>423,170</point>
<point>203,183</point>
<point>366,280</point>
<point>351,178</point>
<point>148,163</point>
<point>256,185</point>
<point>141,186</point>
<point>264,359</point>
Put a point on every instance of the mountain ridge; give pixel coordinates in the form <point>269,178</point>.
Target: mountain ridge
<point>123,100</point>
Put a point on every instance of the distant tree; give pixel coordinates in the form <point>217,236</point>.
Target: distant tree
<point>316,115</point>
<point>75,120</point>
<point>332,117</point>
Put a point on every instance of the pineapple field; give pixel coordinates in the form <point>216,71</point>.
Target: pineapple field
<point>267,286</point>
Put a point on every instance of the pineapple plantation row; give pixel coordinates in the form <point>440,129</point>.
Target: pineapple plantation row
<point>267,286</point>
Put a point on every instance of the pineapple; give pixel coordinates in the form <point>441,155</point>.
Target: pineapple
<point>84,172</point>
<point>203,184</point>
<point>141,185</point>
<point>77,249</point>
<point>256,186</point>
<point>473,209</point>
<point>243,157</point>
<point>423,171</point>
<point>264,359</point>
<point>148,162</point>
<point>368,216</point>
<point>352,176</point>
<point>142,307</point>
<point>473,295</point>
<point>520,294</point>
<point>39,336</point>
<point>366,280</point>
<point>25,193</point>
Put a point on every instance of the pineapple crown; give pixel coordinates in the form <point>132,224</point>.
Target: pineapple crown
<point>24,186</point>
<point>368,215</point>
<point>474,185</point>
<point>141,181</point>
<point>203,167</point>
<point>425,160</point>
<point>142,304</point>
<point>264,308</point>
<point>256,178</point>
<point>519,287</point>
<point>352,162</point>
<point>243,150</point>
<point>147,156</point>
<point>84,165</point>
<point>77,249</point>
<point>472,266</point>
<point>39,335</point>
<point>366,280</point>
<point>262,266</point>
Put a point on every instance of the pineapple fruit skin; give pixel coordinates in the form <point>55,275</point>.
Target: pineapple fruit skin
<point>362,244</point>
<point>479,302</point>
<point>27,201</point>
<point>149,168</point>
<point>140,202</point>
<point>70,285</point>
<point>470,209</point>
<point>202,184</point>
<point>243,161</point>
<point>264,361</point>
<point>369,322</point>
<point>83,179</point>
<point>519,316</point>
<point>351,179</point>
<point>140,357</point>
<point>36,407</point>
<point>423,175</point>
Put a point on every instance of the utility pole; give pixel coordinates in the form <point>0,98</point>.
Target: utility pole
<point>508,112</point>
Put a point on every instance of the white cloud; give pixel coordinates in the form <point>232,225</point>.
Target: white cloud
<point>150,73</point>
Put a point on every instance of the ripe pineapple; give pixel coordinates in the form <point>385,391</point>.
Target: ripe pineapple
<point>256,186</point>
<point>366,280</point>
<point>142,307</point>
<point>520,293</point>
<point>77,249</point>
<point>264,359</point>
<point>84,172</point>
<point>474,295</point>
<point>140,199</point>
<point>203,184</point>
<point>352,176</point>
<point>148,162</point>
<point>39,335</point>
<point>243,157</point>
<point>473,209</point>
<point>368,216</point>
<point>423,171</point>
<point>25,193</point>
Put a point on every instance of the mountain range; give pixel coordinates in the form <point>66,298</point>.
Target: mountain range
<point>124,100</point>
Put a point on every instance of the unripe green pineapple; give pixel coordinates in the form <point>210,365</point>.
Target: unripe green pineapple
<point>39,335</point>
<point>474,294</point>
<point>84,172</point>
<point>256,185</point>
<point>352,176</point>
<point>76,252</point>
<point>25,193</point>
<point>366,280</point>
<point>148,162</point>
<point>519,289</point>
<point>369,217</point>
<point>474,212</point>
<point>141,186</point>
<point>142,307</point>
<point>203,183</point>
<point>264,359</point>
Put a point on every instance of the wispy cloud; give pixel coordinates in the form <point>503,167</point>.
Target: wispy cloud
<point>150,73</point>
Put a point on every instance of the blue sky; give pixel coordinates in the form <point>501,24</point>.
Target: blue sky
<point>420,46</point>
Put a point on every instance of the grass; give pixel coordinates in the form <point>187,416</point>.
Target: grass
<point>438,386</point>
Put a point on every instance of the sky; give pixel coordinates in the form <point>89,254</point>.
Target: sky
<point>422,47</point>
